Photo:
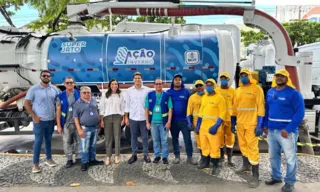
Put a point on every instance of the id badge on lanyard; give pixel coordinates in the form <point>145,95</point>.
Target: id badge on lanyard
<point>90,111</point>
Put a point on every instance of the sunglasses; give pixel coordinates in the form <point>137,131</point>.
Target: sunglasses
<point>86,92</point>
<point>197,86</point>
<point>46,76</point>
<point>69,83</point>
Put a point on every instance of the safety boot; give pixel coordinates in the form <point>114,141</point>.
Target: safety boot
<point>221,154</point>
<point>254,182</point>
<point>201,158</point>
<point>215,167</point>
<point>230,161</point>
<point>245,165</point>
<point>205,162</point>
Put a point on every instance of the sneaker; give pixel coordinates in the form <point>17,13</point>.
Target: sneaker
<point>36,169</point>
<point>69,164</point>
<point>191,162</point>
<point>50,163</point>
<point>176,160</point>
<point>156,160</point>
<point>84,166</point>
<point>287,188</point>
<point>165,161</point>
<point>272,181</point>
<point>95,162</point>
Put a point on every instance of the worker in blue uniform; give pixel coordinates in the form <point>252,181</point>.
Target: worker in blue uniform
<point>284,113</point>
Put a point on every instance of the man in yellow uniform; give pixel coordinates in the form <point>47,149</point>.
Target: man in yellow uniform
<point>211,116</point>
<point>248,113</point>
<point>228,137</point>
<point>194,104</point>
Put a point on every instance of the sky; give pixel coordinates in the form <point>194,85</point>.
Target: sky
<point>27,14</point>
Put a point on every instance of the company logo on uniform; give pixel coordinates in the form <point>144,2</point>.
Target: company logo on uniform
<point>72,47</point>
<point>192,57</point>
<point>134,57</point>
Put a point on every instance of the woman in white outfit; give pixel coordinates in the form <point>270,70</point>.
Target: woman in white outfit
<point>111,109</point>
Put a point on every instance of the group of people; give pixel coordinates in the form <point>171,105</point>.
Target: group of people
<point>214,113</point>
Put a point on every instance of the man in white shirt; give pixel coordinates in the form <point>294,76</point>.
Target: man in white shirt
<point>135,98</point>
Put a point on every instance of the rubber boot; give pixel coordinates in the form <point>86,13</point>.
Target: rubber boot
<point>254,182</point>
<point>230,161</point>
<point>221,154</point>
<point>245,165</point>
<point>215,167</point>
<point>201,158</point>
<point>205,162</point>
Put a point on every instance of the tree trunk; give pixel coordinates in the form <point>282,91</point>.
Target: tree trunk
<point>6,16</point>
<point>304,137</point>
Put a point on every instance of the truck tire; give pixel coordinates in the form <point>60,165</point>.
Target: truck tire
<point>128,138</point>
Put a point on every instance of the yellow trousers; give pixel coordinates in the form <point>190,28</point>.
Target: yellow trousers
<point>248,143</point>
<point>197,137</point>
<point>210,144</point>
<point>228,137</point>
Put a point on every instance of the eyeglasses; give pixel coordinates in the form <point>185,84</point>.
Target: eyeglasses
<point>69,83</point>
<point>86,92</point>
<point>46,76</point>
<point>199,85</point>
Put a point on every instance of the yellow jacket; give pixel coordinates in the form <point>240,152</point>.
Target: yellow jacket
<point>212,108</point>
<point>248,104</point>
<point>194,104</point>
<point>228,95</point>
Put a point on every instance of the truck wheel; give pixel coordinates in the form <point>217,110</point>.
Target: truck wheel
<point>101,139</point>
<point>128,138</point>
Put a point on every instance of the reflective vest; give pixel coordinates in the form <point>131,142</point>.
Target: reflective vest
<point>163,104</point>
<point>65,105</point>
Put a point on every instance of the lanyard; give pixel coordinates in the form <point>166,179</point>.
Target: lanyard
<point>158,100</point>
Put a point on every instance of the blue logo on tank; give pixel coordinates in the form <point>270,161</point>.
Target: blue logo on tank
<point>72,47</point>
<point>134,57</point>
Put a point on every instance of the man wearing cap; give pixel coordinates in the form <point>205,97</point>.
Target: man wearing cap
<point>248,113</point>
<point>284,113</point>
<point>194,104</point>
<point>209,124</point>
<point>180,96</point>
<point>228,137</point>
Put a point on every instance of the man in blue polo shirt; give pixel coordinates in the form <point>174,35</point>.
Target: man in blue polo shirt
<point>86,118</point>
<point>42,97</point>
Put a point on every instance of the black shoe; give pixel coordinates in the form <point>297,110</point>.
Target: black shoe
<point>165,161</point>
<point>132,159</point>
<point>156,160</point>
<point>221,155</point>
<point>78,161</point>
<point>84,166</point>
<point>272,181</point>
<point>230,161</point>
<point>69,164</point>
<point>287,188</point>
<point>95,162</point>
<point>147,159</point>
<point>205,162</point>
<point>245,165</point>
<point>254,182</point>
<point>215,167</point>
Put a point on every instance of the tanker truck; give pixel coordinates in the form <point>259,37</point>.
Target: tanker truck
<point>156,50</point>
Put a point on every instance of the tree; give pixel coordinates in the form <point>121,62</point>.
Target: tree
<point>5,4</point>
<point>300,32</point>
<point>151,19</point>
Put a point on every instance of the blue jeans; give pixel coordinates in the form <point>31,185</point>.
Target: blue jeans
<point>176,127</point>
<point>88,145</point>
<point>277,144</point>
<point>43,129</point>
<point>160,134</point>
<point>135,128</point>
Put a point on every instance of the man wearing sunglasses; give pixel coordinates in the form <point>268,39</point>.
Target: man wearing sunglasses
<point>65,122</point>
<point>194,104</point>
<point>87,119</point>
<point>42,97</point>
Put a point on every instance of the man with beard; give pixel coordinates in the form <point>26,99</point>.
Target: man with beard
<point>42,97</point>
<point>284,113</point>
<point>180,96</point>
<point>65,122</point>
<point>194,104</point>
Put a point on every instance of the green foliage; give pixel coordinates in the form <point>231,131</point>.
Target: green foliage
<point>301,32</point>
<point>150,19</point>
<point>5,4</point>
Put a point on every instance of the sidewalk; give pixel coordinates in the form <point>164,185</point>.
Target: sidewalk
<point>313,187</point>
